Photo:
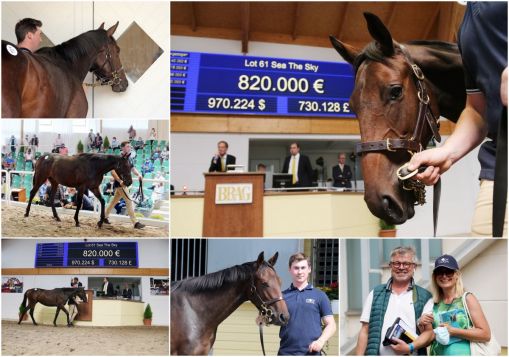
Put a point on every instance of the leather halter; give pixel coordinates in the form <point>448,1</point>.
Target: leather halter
<point>425,116</point>
<point>264,308</point>
<point>113,79</point>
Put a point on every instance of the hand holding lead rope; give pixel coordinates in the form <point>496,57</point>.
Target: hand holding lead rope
<point>404,173</point>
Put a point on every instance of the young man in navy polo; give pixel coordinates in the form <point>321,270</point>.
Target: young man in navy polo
<point>308,308</point>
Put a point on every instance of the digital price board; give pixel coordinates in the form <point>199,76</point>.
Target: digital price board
<point>87,255</point>
<point>227,84</point>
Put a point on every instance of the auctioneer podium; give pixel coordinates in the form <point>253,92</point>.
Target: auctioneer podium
<point>233,205</point>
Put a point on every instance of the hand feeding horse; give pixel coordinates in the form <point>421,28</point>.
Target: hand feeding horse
<point>400,92</point>
<point>56,297</point>
<point>200,304</point>
<point>48,83</point>
<point>83,171</point>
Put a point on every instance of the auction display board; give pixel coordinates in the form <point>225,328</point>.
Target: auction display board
<point>227,84</point>
<point>87,254</point>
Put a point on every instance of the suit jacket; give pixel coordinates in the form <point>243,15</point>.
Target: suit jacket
<point>342,178</point>
<point>109,290</point>
<point>216,166</point>
<point>304,170</point>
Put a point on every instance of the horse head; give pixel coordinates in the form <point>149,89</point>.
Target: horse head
<point>107,66</point>
<point>80,292</point>
<point>386,101</point>
<point>123,170</point>
<point>265,291</point>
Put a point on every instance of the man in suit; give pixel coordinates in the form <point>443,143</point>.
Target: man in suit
<point>341,173</point>
<point>75,283</point>
<point>127,293</point>
<point>299,167</point>
<point>107,287</point>
<point>222,159</point>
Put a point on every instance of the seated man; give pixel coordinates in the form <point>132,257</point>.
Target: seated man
<point>72,200</point>
<point>127,293</point>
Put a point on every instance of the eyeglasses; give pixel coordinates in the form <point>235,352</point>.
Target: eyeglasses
<point>401,264</point>
<point>447,272</point>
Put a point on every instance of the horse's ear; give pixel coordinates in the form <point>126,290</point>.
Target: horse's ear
<point>272,261</point>
<point>112,30</point>
<point>380,33</point>
<point>346,51</point>
<point>260,259</point>
<point>101,27</point>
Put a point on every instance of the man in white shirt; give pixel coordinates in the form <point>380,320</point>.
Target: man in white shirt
<point>402,298</point>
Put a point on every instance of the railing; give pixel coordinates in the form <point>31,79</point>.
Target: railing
<point>195,192</point>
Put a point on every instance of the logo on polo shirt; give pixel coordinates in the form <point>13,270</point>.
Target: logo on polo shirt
<point>310,301</point>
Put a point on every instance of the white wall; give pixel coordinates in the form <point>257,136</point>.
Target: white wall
<point>20,253</point>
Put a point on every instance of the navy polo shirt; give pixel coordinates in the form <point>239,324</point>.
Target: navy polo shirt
<point>306,308</point>
<point>482,40</point>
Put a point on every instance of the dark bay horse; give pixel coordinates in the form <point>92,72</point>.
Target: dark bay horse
<point>83,171</point>
<point>48,83</point>
<point>56,297</point>
<point>199,305</point>
<point>389,94</point>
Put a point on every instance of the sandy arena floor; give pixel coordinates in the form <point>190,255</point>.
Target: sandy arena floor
<point>27,339</point>
<point>40,223</point>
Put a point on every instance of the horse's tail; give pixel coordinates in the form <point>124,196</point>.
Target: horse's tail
<point>23,306</point>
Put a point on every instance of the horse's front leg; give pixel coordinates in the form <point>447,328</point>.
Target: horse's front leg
<point>97,193</point>
<point>69,324</point>
<point>79,201</point>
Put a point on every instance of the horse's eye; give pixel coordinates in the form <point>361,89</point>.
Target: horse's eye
<point>265,284</point>
<point>395,92</point>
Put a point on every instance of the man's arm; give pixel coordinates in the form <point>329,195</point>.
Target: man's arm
<point>328,332</point>
<point>362,340</point>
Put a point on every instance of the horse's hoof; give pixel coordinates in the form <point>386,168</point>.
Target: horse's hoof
<point>100,224</point>
<point>77,224</point>
<point>26,214</point>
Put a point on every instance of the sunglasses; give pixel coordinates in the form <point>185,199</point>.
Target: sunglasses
<point>447,272</point>
<point>401,264</point>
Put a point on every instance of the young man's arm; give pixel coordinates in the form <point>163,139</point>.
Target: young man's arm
<point>328,332</point>
<point>362,340</point>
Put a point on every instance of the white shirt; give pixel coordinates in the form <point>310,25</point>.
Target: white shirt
<point>399,306</point>
<point>296,158</point>
<point>105,287</point>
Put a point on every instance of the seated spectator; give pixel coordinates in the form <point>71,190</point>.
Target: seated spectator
<point>155,155</point>
<point>72,198</point>
<point>114,143</point>
<point>108,187</point>
<point>63,150</point>
<point>147,167</point>
<point>165,154</point>
<point>138,144</point>
<point>58,200</point>
<point>8,162</point>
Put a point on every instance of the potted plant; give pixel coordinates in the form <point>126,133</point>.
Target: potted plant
<point>79,147</point>
<point>147,316</point>
<point>386,229</point>
<point>22,310</point>
<point>106,143</point>
<point>332,293</point>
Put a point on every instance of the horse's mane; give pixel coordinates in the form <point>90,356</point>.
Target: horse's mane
<point>77,47</point>
<point>216,280</point>
<point>372,52</point>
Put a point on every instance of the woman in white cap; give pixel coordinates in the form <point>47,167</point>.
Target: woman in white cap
<point>453,330</point>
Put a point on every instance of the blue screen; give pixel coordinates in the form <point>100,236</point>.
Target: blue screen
<point>226,84</point>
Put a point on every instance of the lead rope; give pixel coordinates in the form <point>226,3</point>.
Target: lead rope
<point>418,187</point>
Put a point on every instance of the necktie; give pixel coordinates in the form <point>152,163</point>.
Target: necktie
<point>222,165</point>
<point>294,171</point>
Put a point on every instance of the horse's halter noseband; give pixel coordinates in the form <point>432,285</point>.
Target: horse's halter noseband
<point>113,79</point>
<point>414,143</point>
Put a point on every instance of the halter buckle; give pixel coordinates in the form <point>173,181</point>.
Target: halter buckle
<point>417,71</point>
<point>421,99</point>
<point>388,145</point>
